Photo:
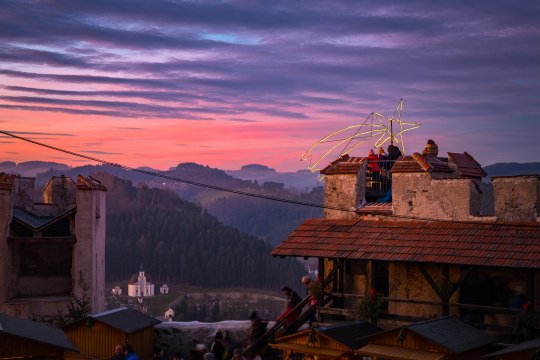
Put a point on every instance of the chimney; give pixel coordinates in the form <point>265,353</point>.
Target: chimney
<point>516,198</point>
<point>24,196</point>
<point>60,191</point>
<point>345,187</point>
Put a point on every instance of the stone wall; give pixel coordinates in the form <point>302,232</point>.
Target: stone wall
<point>419,195</point>
<point>344,191</point>
<point>7,285</point>
<point>24,196</point>
<point>60,191</point>
<point>516,198</point>
<point>184,337</point>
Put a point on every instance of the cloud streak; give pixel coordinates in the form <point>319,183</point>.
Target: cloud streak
<point>305,68</point>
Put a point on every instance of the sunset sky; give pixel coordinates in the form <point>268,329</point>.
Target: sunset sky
<point>229,83</point>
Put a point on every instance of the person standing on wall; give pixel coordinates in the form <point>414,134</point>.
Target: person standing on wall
<point>431,149</point>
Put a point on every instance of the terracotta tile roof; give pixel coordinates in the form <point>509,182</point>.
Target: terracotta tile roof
<point>376,207</point>
<point>419,163</point>
<point>344,165</point>
<point>448,242</point>
<point>89,183</point>
<point>7,180</point>
<point>466,164</point>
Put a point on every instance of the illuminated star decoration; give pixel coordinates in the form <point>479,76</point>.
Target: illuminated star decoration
<point>377,126</point>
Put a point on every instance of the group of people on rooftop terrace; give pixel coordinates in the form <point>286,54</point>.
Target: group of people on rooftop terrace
<point>379,165</point>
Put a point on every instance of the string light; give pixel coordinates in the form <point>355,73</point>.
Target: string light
<point>375,125</point>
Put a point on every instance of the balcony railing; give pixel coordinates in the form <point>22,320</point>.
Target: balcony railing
<point>495,318</point>
<point>378,180</point>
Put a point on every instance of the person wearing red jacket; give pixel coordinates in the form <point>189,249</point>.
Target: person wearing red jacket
<point>292,300</point>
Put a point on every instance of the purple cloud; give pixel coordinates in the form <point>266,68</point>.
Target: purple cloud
<point>461,67</point>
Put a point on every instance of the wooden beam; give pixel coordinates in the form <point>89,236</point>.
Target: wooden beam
<point>430,281</point>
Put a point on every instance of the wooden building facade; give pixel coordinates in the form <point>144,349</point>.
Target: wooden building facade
<point>444,338</point>
<point>97,336</point>
<point>336,342</point>
<point>25,339</point>
<point>446,244</point>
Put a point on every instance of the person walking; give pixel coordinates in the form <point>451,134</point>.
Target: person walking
<point>289,315</point>
<point>130,353</point>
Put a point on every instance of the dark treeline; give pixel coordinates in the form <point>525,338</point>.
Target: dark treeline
<point>178,241</point>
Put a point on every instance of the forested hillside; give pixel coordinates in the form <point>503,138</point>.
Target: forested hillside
<point>268,220</point>
<point>178,241</point>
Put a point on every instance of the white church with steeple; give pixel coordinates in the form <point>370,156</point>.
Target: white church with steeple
<point>140,286</point>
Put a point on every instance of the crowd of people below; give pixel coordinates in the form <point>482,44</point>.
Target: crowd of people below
<point>222,348</point>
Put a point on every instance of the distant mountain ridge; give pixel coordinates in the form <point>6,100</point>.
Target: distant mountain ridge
<point>269,220</point>
<point>513,168</point>
<point>301,180</point>
<point>31,168</point>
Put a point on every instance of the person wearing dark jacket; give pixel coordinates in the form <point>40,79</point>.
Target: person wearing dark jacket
<point>130,353</point>
<point>431,149</point>
<point>292,300</point>
<point>217,347</point>
<point>393,154</point>
<point>257,329</point>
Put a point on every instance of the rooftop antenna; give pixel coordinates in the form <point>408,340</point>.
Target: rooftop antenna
<point>375,125</point>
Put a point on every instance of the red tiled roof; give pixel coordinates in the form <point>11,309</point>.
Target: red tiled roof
<point>7,180</point>
<point>344,165</point>
<point>419,163</point>
<point>376,207</point>
<point>466,164</point>
<point>448,242</point>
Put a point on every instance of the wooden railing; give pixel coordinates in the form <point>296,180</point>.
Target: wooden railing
<point>281,327</point>
<point>511,314</point>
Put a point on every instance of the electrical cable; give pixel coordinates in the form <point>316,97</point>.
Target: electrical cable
<point>172,178</point>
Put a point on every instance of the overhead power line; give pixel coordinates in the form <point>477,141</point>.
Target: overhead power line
<point>173,178</point>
